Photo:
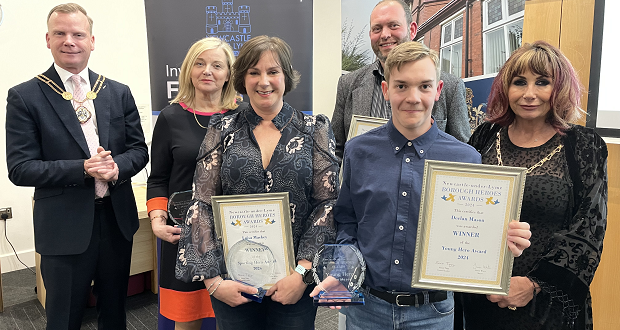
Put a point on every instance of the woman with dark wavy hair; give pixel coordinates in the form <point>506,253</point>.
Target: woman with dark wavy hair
<point>266,147</point>
<point>533,99</point>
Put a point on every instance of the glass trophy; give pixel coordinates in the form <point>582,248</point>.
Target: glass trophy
<point>178,204</point>
<point>252,264</point>
<point>339,271</point>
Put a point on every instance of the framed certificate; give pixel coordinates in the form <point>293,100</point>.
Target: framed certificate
<point>464,214</point>
<point>360,125</point>
<point>261,223</point>
<point>363,124</point>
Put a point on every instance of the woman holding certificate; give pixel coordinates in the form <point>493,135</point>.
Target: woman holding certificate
<point>533,98</point>
<point>269,147</point>
<point>204,90</point>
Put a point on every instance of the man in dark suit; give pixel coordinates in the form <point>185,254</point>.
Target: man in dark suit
<point>76,137</point>
<point>359,92</point>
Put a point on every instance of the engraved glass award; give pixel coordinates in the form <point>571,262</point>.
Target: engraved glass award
<point>339,272</point>
<point>178,204</point>
<point>252,264</point>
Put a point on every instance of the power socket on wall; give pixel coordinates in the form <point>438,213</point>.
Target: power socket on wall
<point>6,213</point>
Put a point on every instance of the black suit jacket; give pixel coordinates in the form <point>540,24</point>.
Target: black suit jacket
<point>46,149</point>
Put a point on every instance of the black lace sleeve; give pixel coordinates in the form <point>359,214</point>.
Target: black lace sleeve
<point>566,271</point>
<point>320,227</point>
<point>483,137</point>
<point>200,255</point>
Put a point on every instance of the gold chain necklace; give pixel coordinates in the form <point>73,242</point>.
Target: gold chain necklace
<point>82,113</point>
<point>195,117</point>
<point>498,151</point>
<point>192,110</point>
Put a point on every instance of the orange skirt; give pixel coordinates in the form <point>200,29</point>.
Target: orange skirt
<point>185,306</point>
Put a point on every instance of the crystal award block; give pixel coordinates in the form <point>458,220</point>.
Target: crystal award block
<point>178,204</point>
<point>339,271</point>
<point>252,264</point>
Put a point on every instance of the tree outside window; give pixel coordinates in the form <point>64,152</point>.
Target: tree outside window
<point>353,54</point>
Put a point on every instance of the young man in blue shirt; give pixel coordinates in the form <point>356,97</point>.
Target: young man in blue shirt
<point>359,92</point>
<point>379,201</point>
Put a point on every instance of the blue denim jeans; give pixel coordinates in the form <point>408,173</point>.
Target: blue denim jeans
<point>267,315</point>
<point>379,314</point>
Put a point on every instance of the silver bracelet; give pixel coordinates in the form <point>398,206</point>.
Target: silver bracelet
<point>217,286</point>
<point>209,288</point>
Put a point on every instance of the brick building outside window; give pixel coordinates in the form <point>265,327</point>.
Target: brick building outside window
<point>473,37</point>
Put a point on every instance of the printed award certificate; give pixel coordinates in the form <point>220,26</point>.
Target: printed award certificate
<point>464,214</point>
<point>261,224</point>
<point>362,124</point>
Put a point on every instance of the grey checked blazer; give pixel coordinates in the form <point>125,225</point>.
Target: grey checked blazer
<point>355,98</point>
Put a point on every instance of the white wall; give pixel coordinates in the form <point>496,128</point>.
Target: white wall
<point>120,54</point>
<point>608,111</point>
<point>327,58</point>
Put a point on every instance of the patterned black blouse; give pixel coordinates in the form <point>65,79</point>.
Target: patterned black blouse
<point>565,202</point>
<point>230,163</point>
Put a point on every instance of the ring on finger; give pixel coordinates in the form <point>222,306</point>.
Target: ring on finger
<point>512,308</point>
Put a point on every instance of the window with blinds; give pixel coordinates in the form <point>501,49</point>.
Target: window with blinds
<point>502,31</point>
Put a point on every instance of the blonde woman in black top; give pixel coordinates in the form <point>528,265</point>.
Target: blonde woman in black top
<point>205,88</point>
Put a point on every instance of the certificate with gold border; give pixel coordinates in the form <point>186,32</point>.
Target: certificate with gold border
<point>464,214</point>
<point>362,124</point>
<point>260,218</point>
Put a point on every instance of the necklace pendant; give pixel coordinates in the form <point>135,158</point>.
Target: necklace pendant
<point>67,96</point>
<point>91,95</point>
<point>83,115</point>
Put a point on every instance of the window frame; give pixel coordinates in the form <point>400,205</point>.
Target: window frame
<point>451,21</point>
<point>453,41</point>
<point>505,17</point>
<point>503,24</point>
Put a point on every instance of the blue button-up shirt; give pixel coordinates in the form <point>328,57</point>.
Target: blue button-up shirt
<point>379,201</point>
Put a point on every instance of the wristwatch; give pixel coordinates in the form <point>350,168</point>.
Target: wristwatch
<point>306,274</point>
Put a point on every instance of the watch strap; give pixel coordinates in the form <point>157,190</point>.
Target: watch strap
<point>306,274</point>
<point>301,270</point>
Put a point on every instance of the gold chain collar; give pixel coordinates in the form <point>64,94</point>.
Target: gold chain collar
<point>498,151</point>
<point>68,96</point>
<point>82,113</point>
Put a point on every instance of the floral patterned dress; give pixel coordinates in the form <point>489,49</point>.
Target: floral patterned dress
<point>230,163</point>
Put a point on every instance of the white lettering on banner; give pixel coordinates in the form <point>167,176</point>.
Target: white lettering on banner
<point>170,88</point>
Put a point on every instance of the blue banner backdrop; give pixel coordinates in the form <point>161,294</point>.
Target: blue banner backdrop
<point>478,90</point>
<point>173,26</point>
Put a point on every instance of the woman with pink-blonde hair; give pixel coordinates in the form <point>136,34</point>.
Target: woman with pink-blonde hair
<point>533,99</point>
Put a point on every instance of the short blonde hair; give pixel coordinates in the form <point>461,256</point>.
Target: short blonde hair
<point>187,92</point>
<point>408,52</point>
<point>68,8</point>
